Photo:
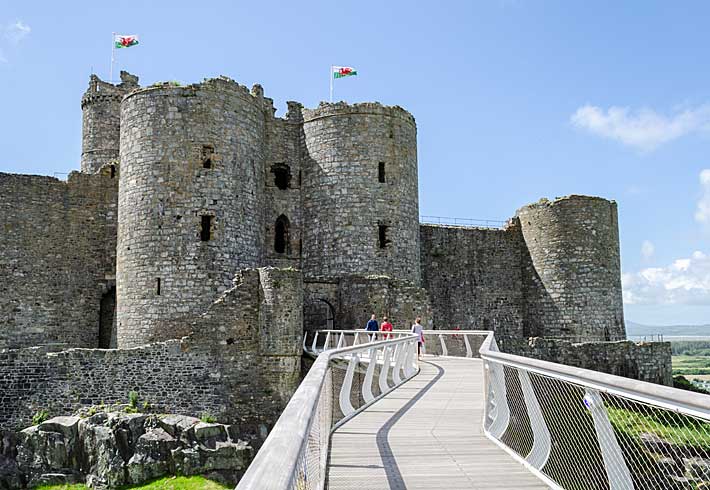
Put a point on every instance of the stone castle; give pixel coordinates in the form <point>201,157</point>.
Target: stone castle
<point>203,236</point>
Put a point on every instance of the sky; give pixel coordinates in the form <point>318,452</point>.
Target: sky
<point>514,101</point>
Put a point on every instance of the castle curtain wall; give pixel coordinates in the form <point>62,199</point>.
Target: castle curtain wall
<point>57,256</point>
<point>474,278</point>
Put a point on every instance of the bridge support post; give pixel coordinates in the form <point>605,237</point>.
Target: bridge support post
<point>617,472</point>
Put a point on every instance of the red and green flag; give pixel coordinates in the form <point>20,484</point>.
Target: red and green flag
<point>343,71</point>
<point>121,41</point>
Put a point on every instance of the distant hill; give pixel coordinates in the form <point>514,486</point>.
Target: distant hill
<point>634,329</point>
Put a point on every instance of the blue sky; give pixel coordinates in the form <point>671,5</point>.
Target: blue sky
<point>514,101</point>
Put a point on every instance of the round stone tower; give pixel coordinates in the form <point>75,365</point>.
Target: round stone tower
<point>101,112</point>
<point>359,189</point>
<point>572,276</point>
<point>188,205</point>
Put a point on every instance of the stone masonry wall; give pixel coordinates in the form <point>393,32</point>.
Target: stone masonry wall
<point>284,156</point>
<point>645,361</point>
<point>57,255</point>
<point>241,364</point>
<point>572,275</point>
<point>401,302</point>
<point>344,201</point>
<point>101,112</point>
<point>188,154</point>
<point>474,278</point>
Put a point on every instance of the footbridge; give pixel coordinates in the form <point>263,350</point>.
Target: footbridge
<point>372,414</point>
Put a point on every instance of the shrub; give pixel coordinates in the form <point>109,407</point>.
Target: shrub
<point>133,399</point>
<point>207,418</point>
<point>682,383</point>
<point>39,417</point>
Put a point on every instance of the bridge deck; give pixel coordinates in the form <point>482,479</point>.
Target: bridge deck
<point>426,434</point>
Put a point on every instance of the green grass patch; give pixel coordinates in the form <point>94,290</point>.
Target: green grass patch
<point>685,364</point>
<point>167,483</point>
<point>673,427</point>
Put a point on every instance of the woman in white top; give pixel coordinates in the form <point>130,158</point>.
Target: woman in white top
<point>419,330</point>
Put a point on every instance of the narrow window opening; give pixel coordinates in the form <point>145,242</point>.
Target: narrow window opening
<point>230,341</point>
<point>282,175</point>
<point>157,287</point>
<point>206,228</point>
<point>281,238</point>
<point>382,233</point>
<point>381,172</point>
<point>113,171</point>
<point>207,153</point>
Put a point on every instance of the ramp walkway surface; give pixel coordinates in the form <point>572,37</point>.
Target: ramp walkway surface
<point>426,434</point>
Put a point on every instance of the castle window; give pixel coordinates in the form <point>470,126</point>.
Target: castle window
<point>157,287</point>
<point>381,172</point>
<point>113,171</point>
<point>382,235</point>
<point>207,154</point>
<point>282,175</point>
<point>281,238</point>
<point>206,228</point>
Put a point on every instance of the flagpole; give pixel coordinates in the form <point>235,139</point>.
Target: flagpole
<point>113,49</point>
<point>330,75</point>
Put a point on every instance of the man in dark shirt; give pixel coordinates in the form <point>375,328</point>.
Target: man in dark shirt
<point>372,325</point>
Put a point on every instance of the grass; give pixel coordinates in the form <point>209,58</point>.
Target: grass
<point>685,365</point>
<point>167,483</point>
<point>676,428</point>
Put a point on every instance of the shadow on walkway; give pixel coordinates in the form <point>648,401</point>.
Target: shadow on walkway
<point>394,476</point>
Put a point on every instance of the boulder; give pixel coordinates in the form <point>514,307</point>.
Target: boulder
<point>152,457</point>
<point>110,450</point>
<point>208,435</point>
<point>177,424</point>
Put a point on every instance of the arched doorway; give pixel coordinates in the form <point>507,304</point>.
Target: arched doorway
<point>318,314</point>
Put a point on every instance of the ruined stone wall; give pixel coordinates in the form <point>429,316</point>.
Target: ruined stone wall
<point>474,278</point>
<point>101,112</point>
<point>241,364</point>
<point>282,189</point>
<point>189,156</point>
<point>645,361</point>
<point>572,274</point>
<point>344,201</point>
<point>57,255</point>
<point>401,302</point>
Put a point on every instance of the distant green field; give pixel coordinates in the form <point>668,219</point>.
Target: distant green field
<point>685,365</point>
<point>169,483</point>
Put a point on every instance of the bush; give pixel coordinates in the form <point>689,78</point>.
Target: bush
<point>207,418</point>
<point>40,417</point>
<point>681,382</point>
<point>133,399</point>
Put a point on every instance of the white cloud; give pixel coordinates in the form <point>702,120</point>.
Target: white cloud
<point>702,211</point>
<point>685,281</point>
<point>647,249</point>
<point>17,31</point>
<point>644,129</point>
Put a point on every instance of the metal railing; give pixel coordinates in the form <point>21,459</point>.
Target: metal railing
<point>582,429</point>
<point>468,222</point>
<point>343,381</point>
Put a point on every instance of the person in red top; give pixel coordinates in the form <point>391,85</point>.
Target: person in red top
<point>386,327</point>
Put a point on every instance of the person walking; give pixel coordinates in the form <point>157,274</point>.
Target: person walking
<point>419,330</point>
<point>386,327</point>
<point>372,326</point>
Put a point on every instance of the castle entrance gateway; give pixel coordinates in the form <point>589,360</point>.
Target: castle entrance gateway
<point>318,314</point>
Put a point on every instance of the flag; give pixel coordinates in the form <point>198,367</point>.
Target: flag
<point>121,41</point>
<point>343,71</point>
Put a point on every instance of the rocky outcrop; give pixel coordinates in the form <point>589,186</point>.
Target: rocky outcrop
<point>108,450</point>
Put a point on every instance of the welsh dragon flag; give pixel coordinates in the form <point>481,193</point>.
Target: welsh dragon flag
<point>343,71</point>
<point>121,41</point>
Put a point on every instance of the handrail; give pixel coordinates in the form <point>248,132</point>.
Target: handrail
<point>695,404</point>
<point>290,435</point>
